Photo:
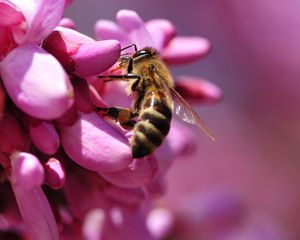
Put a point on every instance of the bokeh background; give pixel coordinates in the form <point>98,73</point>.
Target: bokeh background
<point>255,60</point>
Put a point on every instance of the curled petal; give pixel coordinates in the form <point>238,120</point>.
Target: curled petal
<point>131,22</point>
<point>162,31</point>
<point>44,137</point>
<point>182,50</point>
<point>94,58</point>
<point>138,173</point>
<point>95,145</point>
<point>27,170</point>
<point>198,90</point>
<point>106,29</point>
<point>12,135</point>
<point>41,18</point>
<point>9,15</point>
<point>36,213</point>
<point>36,82</point>
<point>54,173</point>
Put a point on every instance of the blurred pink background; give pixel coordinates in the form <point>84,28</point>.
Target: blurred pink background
<point>255,59</point>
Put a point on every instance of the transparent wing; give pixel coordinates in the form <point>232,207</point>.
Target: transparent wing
<point>185,112</point>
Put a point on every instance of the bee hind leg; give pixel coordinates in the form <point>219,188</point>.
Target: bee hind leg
<point>124,116</point>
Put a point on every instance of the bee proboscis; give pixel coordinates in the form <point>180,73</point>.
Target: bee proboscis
<point>154,99</point>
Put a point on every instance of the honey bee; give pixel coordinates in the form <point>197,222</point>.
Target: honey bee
<point>154,100</point>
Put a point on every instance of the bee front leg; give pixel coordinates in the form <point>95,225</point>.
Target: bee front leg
<point>122,115</point>
<point>126,77</point>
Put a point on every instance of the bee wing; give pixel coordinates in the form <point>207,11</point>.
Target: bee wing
<point>185,112</point>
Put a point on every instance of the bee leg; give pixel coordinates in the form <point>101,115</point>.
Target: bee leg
<point>126,77</point>
<point>122,115</point>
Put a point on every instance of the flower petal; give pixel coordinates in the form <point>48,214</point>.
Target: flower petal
<point>131,22</point>
<point>54,173</point>
<point>93,224</point>
<point>106,29</point>
<point>198,90</point>
<point>95,145</point>
<point>41,18</point>
<point>36,212</point>
<point>27,170</point>
<point>137,174</point>
<point>67,23</point>
<point>9,15</point>
<point>44,137</point>
<point>162,31</point>
<point>94,58</point>
<point>182,50</point>
<point>36,82</point>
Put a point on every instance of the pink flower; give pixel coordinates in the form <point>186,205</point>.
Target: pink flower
<point>52,133</point>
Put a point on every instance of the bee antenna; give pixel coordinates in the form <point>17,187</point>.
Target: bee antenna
<point>132,45</point>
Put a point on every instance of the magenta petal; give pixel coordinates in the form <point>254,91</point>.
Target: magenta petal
<point>198,90</point>
<point>54,173</point>
<point>27,170</point>
<point>36,213</point>
<point>36,82</point>
<point>137,174</point>
<point>95,145</point>
<point>45,137</point>
<point>131,22</point>
<point>94,58</point>
<point>106,29</point>
<point>9,15</point>
<point>162,31</point>
<point>182,50</point>
<point>41,18</point>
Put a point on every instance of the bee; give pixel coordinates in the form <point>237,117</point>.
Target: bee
<point>154,100</point>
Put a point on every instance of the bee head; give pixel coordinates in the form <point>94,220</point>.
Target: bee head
<point>144,53</point>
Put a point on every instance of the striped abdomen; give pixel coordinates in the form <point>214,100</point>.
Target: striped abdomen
<point>154,124</point>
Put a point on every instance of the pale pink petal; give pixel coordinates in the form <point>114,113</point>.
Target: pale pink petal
<point>182,50</point>
<point>28,172</point>
<point>159,222</point>
<point>12,135</point>
<point>9,15</point>
<point>94,224</point>
<point>54,173</point>
<point>161,31</point>
<point>44,137</point>
<point>198,90</point>
<point>94,58</point>
<point>36,213</point>
<point>67,23</point>
<point>131,22</point>
<point>36,82</point>
<point>106,29</point>
<point>96,145</point>
<point>137,174</point>
<point>41,18</point>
